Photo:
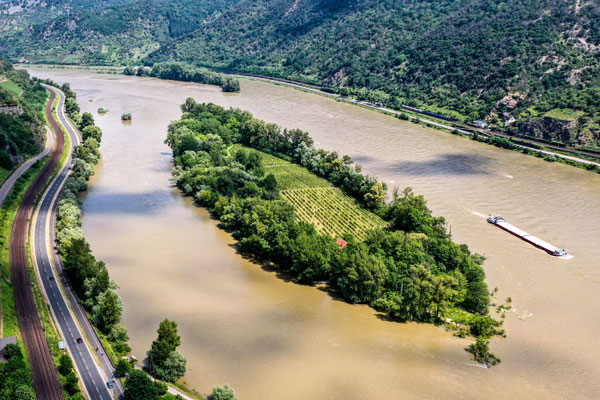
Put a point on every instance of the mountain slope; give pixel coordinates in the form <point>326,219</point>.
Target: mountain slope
<point>471,59</point>
<point>106,32</point>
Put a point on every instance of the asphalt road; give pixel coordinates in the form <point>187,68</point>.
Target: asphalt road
<point>93,377</point>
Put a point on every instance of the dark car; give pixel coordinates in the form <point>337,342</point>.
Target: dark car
<point>51,278</point>
<point>79,340</point>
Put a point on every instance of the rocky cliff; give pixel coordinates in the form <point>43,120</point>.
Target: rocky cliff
<point>572,133</point>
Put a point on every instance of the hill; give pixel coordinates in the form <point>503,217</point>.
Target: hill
<point>21,116</point>
<point>471,59</point>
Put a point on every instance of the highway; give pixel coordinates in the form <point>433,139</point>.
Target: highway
<point>58,293</point>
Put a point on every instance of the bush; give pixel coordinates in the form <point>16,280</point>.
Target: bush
<point>126,117</point>
<point>5,160</point>
<point>122,368</point>
<point>224,392</point>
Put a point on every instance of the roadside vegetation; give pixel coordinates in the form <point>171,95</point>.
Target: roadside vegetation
<point>89,277</point>
<point>15,380</point>
<point>409,269</point>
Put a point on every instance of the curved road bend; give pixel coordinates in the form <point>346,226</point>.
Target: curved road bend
<point>93,379</point>
<point>10,181</point>
<point>43,371</point>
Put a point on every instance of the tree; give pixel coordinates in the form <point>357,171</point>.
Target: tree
<point>188,106</point>
<point>71,383</point>
<point>92,131</point>
<point>173,368</point>
<point>107,312</point>
<point>122,368</point>
<point>65,364</point>
<point>410,214</point>
<point>269,183</point>
<point>161,388</point>
<point>481,352</point>
<point>361,275</point>
<point>5,160</point>
<point>139,386</point>
<point>86,120</point>
<point>118,333</point>
<point>24,392</point>
<point>71,107</point>
<point>375,197</point>
<point>224,392</point>
<point>167,342</point>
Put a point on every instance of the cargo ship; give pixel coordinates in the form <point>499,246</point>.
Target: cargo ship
<point>537,242</point>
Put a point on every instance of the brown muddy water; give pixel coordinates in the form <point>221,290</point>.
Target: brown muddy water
<point>272,339</point>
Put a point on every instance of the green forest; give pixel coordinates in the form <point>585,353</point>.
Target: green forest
<point>470,60</point>
<point>21,130</point>
<point>410,270</point>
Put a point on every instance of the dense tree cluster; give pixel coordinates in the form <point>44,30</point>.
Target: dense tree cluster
<point>15,382</point>
<point>139,386</point>
<point>411,270</point>
<point>19,133</point>
<point>182,72</point>
<point>166,362</point>
<point>89,277</point>
<point>68,377</point>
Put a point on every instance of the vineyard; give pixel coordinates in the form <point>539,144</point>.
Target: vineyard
<point>318,202</point>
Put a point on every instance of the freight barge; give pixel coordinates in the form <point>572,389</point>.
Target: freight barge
<point>539,243</point>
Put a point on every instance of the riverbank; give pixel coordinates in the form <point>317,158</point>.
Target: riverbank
<point>536,148</point>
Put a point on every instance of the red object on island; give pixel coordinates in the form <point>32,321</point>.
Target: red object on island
<point>342,243</point>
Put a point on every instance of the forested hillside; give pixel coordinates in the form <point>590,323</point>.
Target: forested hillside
<point>21,119</point>
<point>105,32</point>
<point>537,60</point>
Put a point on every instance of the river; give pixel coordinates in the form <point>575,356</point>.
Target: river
<point>273,339</point>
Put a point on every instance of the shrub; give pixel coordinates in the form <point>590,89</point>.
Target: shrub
<point>224,392</point>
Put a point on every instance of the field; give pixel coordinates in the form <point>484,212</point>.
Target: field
<point>319,202</point>
<point>11,87</point>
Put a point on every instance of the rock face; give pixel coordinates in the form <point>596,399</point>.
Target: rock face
<point>568,132</point>
<point>11,109</point>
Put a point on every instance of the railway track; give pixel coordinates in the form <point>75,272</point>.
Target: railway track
<point>43,371</point>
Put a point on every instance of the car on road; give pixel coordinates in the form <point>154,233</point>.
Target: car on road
<point>109,384</point>
<point>79,340</point>
<point>51,278</point>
